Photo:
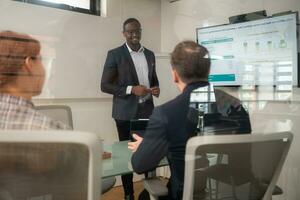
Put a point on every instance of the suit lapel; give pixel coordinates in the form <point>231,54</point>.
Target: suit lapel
<point>131,65</point>
<point>150,65</point>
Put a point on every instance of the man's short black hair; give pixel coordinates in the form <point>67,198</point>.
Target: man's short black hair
<point>130,20</point>
<point>191,61</point>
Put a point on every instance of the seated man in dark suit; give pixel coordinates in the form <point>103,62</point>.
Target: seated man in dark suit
<point>168,129</point>
<point>170,125</point>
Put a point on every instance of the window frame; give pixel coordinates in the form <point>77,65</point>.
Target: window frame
<point>95,6</point>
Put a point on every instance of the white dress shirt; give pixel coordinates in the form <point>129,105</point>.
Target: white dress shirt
<point>141,68</point>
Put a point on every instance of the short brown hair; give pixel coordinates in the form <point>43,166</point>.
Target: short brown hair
<point>191,61</point>
<point>14,49</point>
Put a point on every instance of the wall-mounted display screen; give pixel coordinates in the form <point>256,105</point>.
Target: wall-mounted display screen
<point>260,52</point>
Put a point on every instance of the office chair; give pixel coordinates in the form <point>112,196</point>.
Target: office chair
<point>254,179</point>
<point>61,113</point>
<point>49,165</point>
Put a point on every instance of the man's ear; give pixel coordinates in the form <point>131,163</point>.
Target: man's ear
<point>175,76</point>
<point>28,65</point>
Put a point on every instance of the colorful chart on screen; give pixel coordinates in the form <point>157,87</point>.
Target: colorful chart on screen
<point>260,52</point>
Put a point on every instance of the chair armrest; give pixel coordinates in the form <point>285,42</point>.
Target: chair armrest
<point>107,184</point>
<point>155,187</point>
<point>277,190</point>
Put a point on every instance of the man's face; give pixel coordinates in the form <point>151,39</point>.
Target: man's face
<point>132,33</point>
<point>38,75</point>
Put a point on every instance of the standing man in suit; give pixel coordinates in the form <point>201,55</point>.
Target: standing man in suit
<point>129,75</point>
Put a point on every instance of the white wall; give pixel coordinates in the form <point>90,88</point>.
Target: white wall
<point>77,45</point>
<point>180,19</point>
<point>74,45</point>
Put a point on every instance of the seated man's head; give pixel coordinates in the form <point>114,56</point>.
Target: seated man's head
<point>190,63</point>
<point>21,70</point>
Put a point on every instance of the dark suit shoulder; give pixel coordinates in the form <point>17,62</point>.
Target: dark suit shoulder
<point>117,49</point>
<point>175,106</point>
<point>148,51</point>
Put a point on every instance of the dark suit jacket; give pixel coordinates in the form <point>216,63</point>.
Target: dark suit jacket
<point>118,73</point>
<point>167,133</point>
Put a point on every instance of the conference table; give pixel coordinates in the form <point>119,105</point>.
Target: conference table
<point>120,161</point>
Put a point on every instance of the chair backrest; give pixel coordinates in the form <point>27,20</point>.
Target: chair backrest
<point>243,166</point>
<point>50,165</point>
<point>61,113</point>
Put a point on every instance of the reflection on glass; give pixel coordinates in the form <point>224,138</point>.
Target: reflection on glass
<point>251,52</point>
<point>79,3</point>
<point>216,112</point>
<point>55,171</point>
<point>235,170</point>
<point>200,101</point>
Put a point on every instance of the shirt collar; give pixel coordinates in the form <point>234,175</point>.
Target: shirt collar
<point>191,86</point>
<point>7,98</point>
<point>139,51</point>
